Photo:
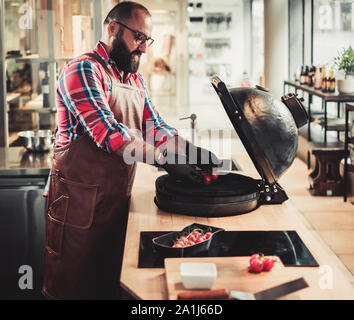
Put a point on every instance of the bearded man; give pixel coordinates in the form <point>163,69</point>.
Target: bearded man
<point>104,111</point>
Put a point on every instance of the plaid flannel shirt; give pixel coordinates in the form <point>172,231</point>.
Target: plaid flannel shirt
<point>82,95</point>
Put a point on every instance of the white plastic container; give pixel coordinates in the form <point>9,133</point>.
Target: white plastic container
<point>198,275</point>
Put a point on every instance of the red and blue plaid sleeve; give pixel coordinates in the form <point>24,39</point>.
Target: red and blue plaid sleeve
<point>154,127</point>
<point>80,88</point>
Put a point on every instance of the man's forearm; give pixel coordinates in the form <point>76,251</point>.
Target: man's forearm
<point>177,144</point>
<point>137,150</point>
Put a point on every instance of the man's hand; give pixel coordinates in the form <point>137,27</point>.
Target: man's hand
<point>204,159</point>
<point>195,155</point>
<point>177,166</point>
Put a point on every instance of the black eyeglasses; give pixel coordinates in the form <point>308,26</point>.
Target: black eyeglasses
<point>140,38</point>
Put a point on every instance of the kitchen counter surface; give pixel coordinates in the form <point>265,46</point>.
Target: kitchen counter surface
<point>16,161</point>
<point>325,282</point>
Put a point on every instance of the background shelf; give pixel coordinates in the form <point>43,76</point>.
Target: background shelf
<point>34,58</point>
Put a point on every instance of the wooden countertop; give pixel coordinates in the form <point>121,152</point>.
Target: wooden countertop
<point>150,283</point>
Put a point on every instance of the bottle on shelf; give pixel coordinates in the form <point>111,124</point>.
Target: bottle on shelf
<point>324,79</point>
<point>331,81</point>
<point>45,90</point>
<point>245,80</point>
<point>8,82</point>
<point>307,75</point>
<point>311,76</point>
<point>295,77</point>
<point>302,75</point>
<point>317,82</point>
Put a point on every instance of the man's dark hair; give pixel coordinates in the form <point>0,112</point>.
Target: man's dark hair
<point>123,11</point>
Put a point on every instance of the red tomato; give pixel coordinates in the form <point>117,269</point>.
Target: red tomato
<point>207,235</point>
<point>190,243</point>
<point>207,180</point>
<point>191,237</point>
<point>268,264</point>
<point>183,238</point>
<point>214,176</point>
<point>200,239</point>
<point>177,245</point>
<point>256,255</point>
<point>196,234</point>
<point>256,265</point>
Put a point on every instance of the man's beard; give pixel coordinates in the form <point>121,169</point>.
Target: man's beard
<point>126,61</point>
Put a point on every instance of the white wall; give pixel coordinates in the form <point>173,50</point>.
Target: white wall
<point>275,45</point>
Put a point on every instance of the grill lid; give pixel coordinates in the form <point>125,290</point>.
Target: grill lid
<point>268,128</point>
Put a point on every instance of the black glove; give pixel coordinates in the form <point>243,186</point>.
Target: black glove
<point>177,165</point>
<point>204,159</point>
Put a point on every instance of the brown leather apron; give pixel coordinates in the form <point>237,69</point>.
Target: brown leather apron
<point>87,209</point>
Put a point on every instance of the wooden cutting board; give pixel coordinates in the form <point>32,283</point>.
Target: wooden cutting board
<point>232,274</point>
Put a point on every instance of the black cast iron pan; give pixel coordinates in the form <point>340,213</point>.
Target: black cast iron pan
<point>230,194</point>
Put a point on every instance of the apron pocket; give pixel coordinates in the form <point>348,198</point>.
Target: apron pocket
<point>81,203</point>
<point>55,227</point>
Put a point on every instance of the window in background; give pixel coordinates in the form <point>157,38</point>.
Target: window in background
<point>296,39</point>
<point>333,29</point>
<point>159,65</point>
<point>257,65</point>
